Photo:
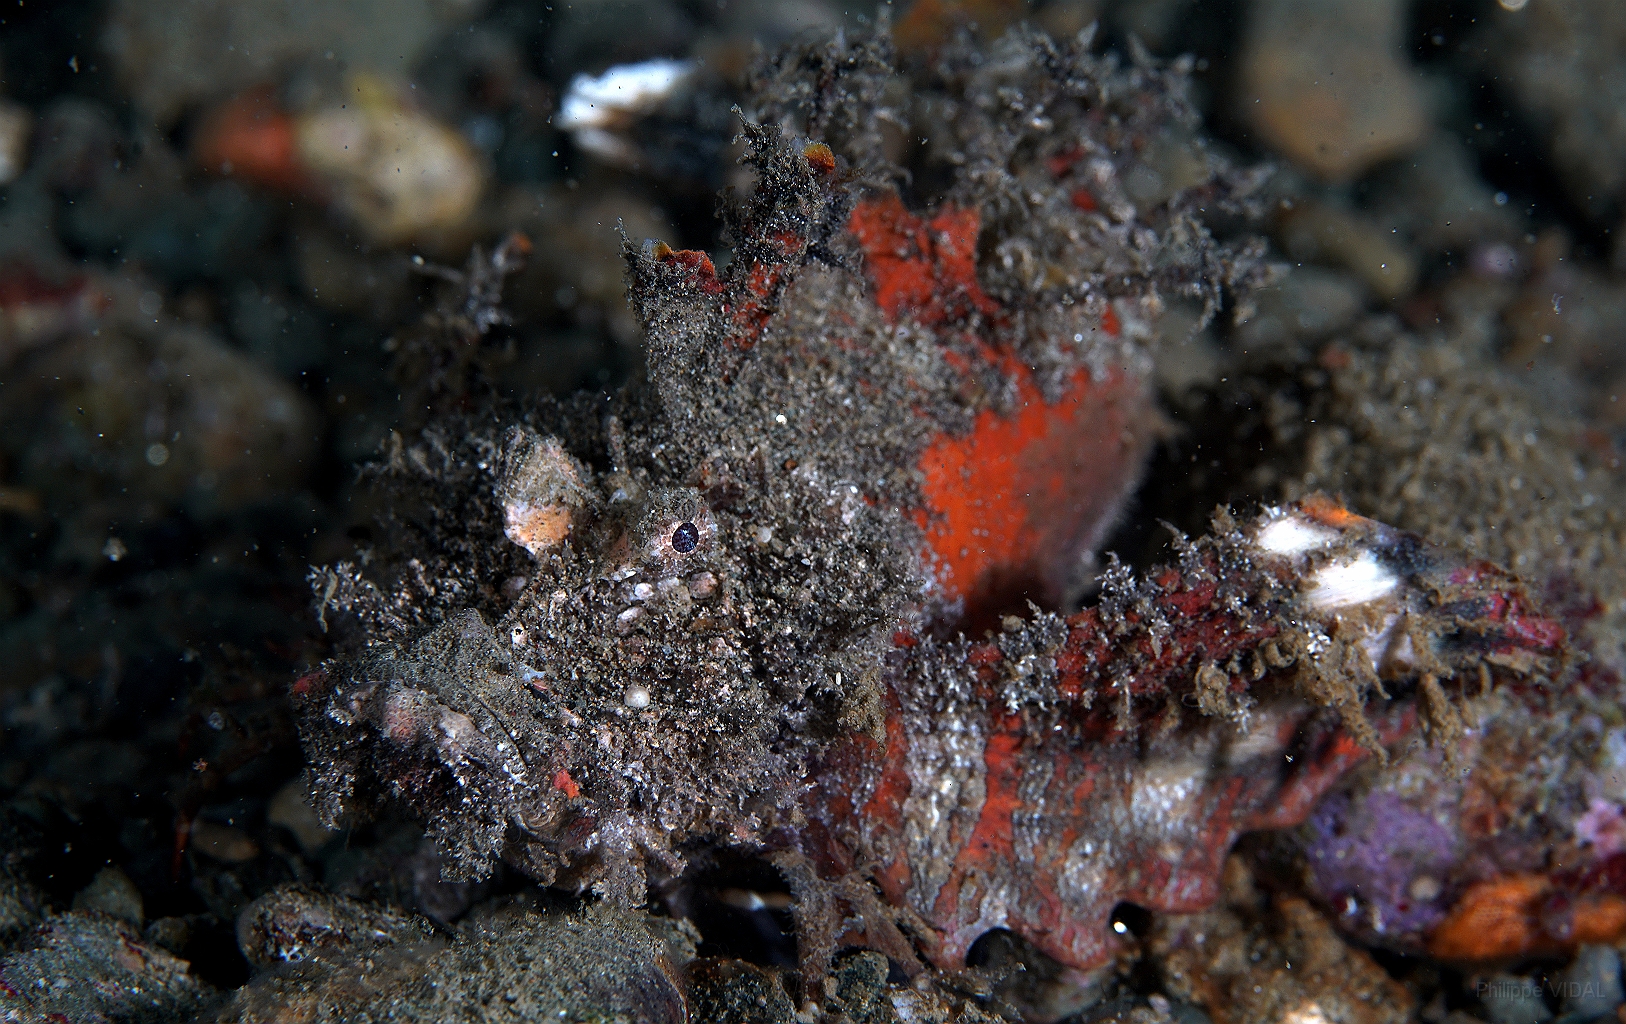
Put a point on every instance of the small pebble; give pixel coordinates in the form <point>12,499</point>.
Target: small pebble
<point>397,171</point>
<point>1591,987</point>
<point>223,842</point>
<point>1513,999</point>
<point>15,123</point>
<point>637,697</point>
<point>170,933</point>
<point>702,585</point>
<point>112,893</point>
<point>1326,83</point>
<point>291,808</point>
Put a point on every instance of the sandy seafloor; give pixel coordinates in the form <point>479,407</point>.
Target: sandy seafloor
<point>205,329</point>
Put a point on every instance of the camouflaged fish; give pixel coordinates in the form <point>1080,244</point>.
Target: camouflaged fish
<point>723,608</point>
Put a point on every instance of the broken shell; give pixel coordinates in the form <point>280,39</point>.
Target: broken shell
<point>541,491</point>
<point>1359,580</point>
<point>1340,559</point>
<point>595,110</point>
<point>621,93</point>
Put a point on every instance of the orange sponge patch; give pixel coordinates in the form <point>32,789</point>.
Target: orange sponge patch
<point>925,268</point>
<point>1012,506</point>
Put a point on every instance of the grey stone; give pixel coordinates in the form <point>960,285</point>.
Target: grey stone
<point>1514,999</point>
<point>112,892</point>
<point>1591,986</point>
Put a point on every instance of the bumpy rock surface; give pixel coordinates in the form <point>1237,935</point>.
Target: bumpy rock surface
<point>512,965</point>
<point>91,967</point>
<point>1258,959</point>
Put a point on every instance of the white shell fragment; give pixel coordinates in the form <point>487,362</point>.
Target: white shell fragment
<point>596,109</point>
<point>621,93</point>
<point>1360,580</point>
<point>1336,566</point>
<point>1291,534</point>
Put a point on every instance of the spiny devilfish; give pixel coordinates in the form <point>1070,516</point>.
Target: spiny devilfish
<point>613,635</point>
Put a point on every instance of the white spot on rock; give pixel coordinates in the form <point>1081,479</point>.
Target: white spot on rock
<point>1355,581</point>
<point>1292,535</point>
<point>621,93</point>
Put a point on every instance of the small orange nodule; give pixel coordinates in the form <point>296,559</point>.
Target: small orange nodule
<point>924,268</point>
<point>1329,511</point>
<point>1012,506</point>
<point>1599,919</point>
<point>1335,357</point>
<point>820,158</point>
<point>251,137</point>
<point>702,273</point>
<point>1493,920</point>
<point>565,784</point>
<point>307,682</point>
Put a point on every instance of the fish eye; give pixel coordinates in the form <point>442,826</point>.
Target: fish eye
<point>685,537</point>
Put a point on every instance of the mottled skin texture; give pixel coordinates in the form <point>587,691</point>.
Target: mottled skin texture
<point>1035,780</point>
<point>876,427</point>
